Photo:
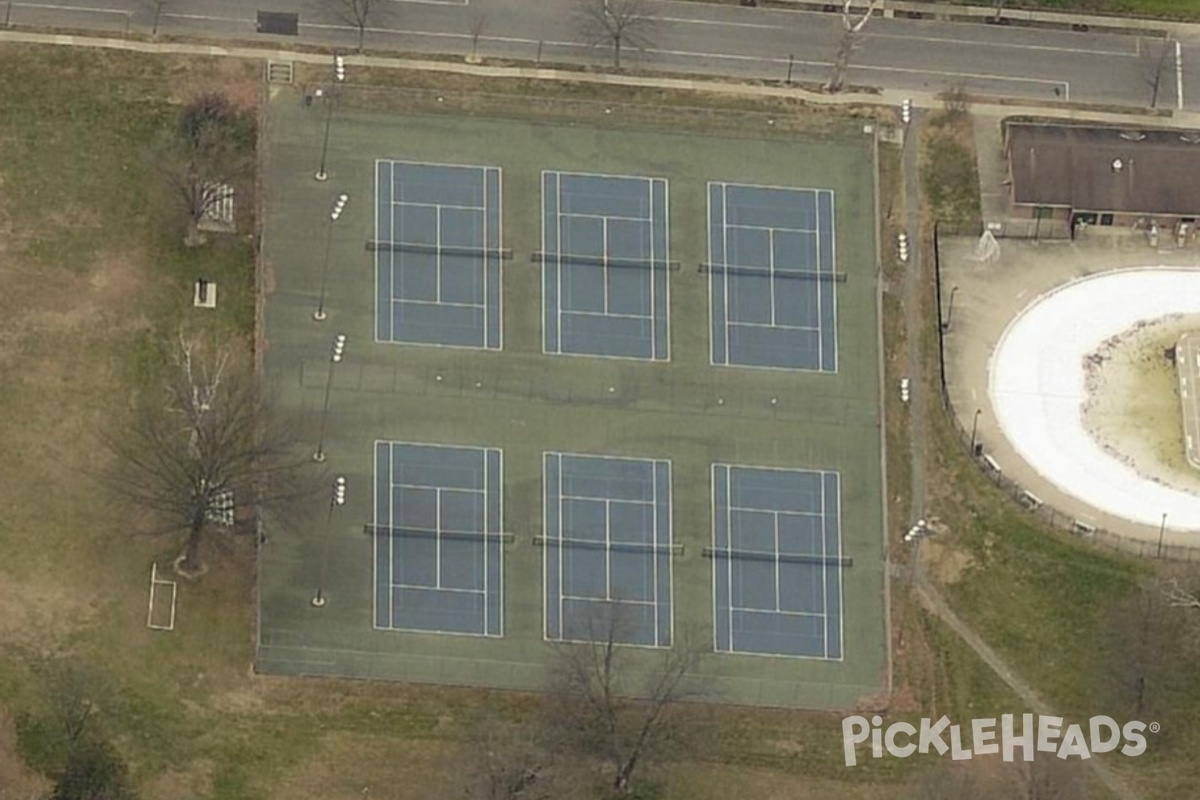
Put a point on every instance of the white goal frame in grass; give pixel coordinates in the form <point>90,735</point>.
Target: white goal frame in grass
<point>156,582</point>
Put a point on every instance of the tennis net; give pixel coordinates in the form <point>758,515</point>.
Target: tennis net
<point>445,250</point>
<point>760,272</point>
<point>604,261</point>
<point>783,558</point>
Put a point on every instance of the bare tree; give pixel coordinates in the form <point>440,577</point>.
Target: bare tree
<point>205,450</point>
<point>478,22</point>
<point>1145,655</point>
<point>506,760</point>
<point>210,154</point>
<point>156,7</point>
<point>1154,63</point>
<point>851,27</point>
<point>619,24</point>
<point>606,704</point>
<point>356,13</point>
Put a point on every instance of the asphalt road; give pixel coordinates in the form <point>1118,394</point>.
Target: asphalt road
<point>700,38</point>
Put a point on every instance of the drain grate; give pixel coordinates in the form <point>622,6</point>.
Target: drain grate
<point>279,72</point>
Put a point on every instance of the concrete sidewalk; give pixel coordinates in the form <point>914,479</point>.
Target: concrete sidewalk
<point>715,87</point>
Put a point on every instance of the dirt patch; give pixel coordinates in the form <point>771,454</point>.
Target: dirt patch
<point>42,610</point>
<point>194,782</point>
<point>240,81</point>
<point>1133,408</point>
<point>353,767</point>
<point>945,562</point>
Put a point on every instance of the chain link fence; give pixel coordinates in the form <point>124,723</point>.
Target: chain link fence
<point>1025,498</point>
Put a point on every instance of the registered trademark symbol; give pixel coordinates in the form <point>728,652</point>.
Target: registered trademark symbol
<point>1155,727</point>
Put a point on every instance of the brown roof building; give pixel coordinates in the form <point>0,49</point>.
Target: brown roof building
<point>1103,175</point>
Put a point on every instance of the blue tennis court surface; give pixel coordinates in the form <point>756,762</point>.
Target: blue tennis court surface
<point>777,562</point>
<point>772,277</point>
<point>437,254</point>
<point>438,539</point>
<point>605,263</point>
<point>608,549</point>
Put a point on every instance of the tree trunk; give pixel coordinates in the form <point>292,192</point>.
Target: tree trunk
<point>362,35</point>
<point>624,776</point>
<point>617,51</point>
<point>841,61</point>
<point>193,237</point>
<point>191,548</point>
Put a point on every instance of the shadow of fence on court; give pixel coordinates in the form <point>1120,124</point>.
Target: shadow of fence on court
<point>1026,499</point>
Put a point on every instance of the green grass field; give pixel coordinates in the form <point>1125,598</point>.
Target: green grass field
<point>525,402</point>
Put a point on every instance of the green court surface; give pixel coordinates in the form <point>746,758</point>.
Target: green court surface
<point>525,403</point>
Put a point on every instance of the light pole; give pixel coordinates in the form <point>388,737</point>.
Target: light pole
<point>975,429</point>
<point>337,498</point>
<point>339,346</point>
<point>339,74</point>
<point>950,309</point>
<point>338,207</point>
<point>1162,528</point>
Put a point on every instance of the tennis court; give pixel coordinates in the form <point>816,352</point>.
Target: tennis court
<point>777,565</point>
<point>437,254</point>
<point>608,549</point>
<point>438,543</point>
<point>605,261</point>
<point>515,486</point>
<point>772,278</point>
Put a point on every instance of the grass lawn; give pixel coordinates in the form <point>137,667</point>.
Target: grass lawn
<point>95,277</point>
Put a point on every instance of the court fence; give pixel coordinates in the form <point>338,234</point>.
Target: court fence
<point>1023,496</point>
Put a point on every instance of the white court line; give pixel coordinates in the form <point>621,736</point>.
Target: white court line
<point>833,230</point>
<point>607,314</point>
<point>608,216</point>
<point>417,204</point>
<point>748,609</point>
<point>604,259</point>
<point>725,282</point>
<point>604,499</point>
<point>784,512</point>
<point>1178,75</point>
<point>561,532</point>
<point>587,599</point>
<point>558,286</point>
<point>402,300</point>
<point>776,227</point>
<point>808,328</point>
<point>667,305</point>
<point>820,331</point>
<point>499,296</point>
<point>438,589</point>
<point>771,270</point>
